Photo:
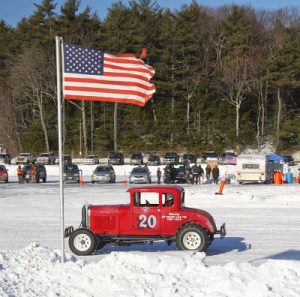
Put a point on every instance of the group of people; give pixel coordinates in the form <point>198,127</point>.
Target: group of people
<point>193,175</point>
<point>21,174</point>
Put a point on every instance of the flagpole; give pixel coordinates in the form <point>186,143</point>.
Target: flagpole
<point>58,42</point>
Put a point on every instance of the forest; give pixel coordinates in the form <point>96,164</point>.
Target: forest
<point>226,78</point>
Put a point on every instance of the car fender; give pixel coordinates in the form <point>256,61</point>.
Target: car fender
<point>205,224</point>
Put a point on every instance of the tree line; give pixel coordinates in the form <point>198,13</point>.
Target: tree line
<point>226,77</point>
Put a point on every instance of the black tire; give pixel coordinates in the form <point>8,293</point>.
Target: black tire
<point>82,242</point>
<point>44,180</point>
<point>6,180</point>
<point>193,238</point>
<point>37,179</point>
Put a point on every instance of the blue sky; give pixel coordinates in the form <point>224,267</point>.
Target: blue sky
<point>11,11</point>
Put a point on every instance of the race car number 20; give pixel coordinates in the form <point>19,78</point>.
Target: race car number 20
<point>147,222</point>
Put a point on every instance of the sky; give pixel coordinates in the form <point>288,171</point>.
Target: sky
<point>13,10</point>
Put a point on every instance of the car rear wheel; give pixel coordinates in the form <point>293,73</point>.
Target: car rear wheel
<point>82,242</point>
<point>193,238</point>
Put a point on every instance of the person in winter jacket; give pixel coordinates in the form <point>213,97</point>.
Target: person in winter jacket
<point>20,173</point>
<point>196,174</point>
<point>215,174</point>
<point>33,174</point>
<point>208,171</point>
<point>158,174</point>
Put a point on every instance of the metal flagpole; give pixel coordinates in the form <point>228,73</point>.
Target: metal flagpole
<point>58,41</point>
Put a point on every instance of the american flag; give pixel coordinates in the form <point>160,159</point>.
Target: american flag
<point>90,74</point>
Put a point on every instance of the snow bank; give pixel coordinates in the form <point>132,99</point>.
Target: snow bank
<point>37,271</point>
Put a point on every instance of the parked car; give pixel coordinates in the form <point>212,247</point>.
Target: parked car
<point>153,160</point>
<point>177,173</point>
<point>71,173</point>
<point>115,158</point>
<point>46,158</point>
<point>289,160</point>
<point>136,159</point>
<point>140,175</point>
<point>152,214</point>
<point>209,155</point>
<point>91,160</point>
<point>188,158</point>
<point>41,173</point>
<point>171,158</point>
<point>104,174</point>
<point>67,159</point>
<point>24,158</point>
<point>3,174</point>
<point>5,158</point>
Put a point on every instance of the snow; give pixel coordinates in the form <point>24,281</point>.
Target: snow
<point>260,255</point>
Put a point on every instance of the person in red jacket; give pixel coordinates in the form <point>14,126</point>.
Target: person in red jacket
<point>20,173</point>
<point>33,174</point>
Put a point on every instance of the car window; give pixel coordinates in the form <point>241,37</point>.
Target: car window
<point>2,168</point>
<point>146,199</point>
<point>44,155</point>
<point>136,156</point>
<point>139,170</point>
<point>102,169</point>
<point>167,199</point>
<point>71,168</point>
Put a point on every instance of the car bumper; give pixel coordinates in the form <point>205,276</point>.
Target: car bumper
<point>71,179</point>
<point>221,231</point>
<point>101,179</point>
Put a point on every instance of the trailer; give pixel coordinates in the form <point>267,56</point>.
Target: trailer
<point>256,169</point>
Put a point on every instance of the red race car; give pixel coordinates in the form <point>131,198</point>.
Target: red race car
<point>3,174</point>
<point>154,213</point>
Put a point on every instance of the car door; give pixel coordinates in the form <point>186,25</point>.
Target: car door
<point>146,215</point>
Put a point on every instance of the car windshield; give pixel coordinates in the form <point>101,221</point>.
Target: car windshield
<point>139,170</point>
<point>2,155</point>
<point>71,168</point>
<point>136,156</point>
<point>114,155</point>
<point>91,157</point>
<point>2,168</point>
<point>44,155</point>
<point>102,169</point>
<point>24,155</point>
<point>153,158</point>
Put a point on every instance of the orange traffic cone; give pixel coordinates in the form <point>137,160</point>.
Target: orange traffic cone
<point>220,192</point>
<point>124,181</point>
<point>81,181</point>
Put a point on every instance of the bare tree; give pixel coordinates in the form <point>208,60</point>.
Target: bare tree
<point>236,82</point>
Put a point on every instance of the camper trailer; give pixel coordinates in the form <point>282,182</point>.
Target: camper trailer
<point>256,169</point>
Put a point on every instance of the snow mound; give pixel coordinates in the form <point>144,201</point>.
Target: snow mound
<point>37,271</point>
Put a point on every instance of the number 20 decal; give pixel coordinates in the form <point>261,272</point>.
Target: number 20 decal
<point>147,222</point>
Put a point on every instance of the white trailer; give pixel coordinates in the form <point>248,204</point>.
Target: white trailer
<point>256,169</point>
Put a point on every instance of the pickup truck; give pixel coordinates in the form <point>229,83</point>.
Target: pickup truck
<point>155,213</point>
<point>24,158</point>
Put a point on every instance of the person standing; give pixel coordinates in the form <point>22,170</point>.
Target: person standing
<point>158,174</point>
<point>33,174</point>
<point>20,173</point>
<point>196,173</point>
<point>201,173</point>
<point>207,172</point>
<point>215,174</point>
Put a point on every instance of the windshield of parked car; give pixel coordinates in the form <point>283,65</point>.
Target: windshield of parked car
<point>139,170</point>
<point>71,168</point>
<point>91,157</point>
<point>2,168</point>
<point>102,169</point>
<point>114,155</point>
<point>24,155</point>
<point>44,155</point>
<point>170,155</point>
<point>135,156</point>
<point>153,158</point>
<point>2,155</point>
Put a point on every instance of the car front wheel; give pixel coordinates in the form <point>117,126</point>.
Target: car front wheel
<point>193,238</point>
<point>82,242</point>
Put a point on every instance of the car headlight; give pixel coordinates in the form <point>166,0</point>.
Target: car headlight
<point>64,174</point>
<point>76,174</point>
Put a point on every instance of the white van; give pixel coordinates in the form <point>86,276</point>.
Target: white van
<point>255,168</point>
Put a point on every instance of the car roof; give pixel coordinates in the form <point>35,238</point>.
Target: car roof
<point>173,189</point>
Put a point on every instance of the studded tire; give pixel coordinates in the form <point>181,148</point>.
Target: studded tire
<point>82,242</point>
<point>192,237</point>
